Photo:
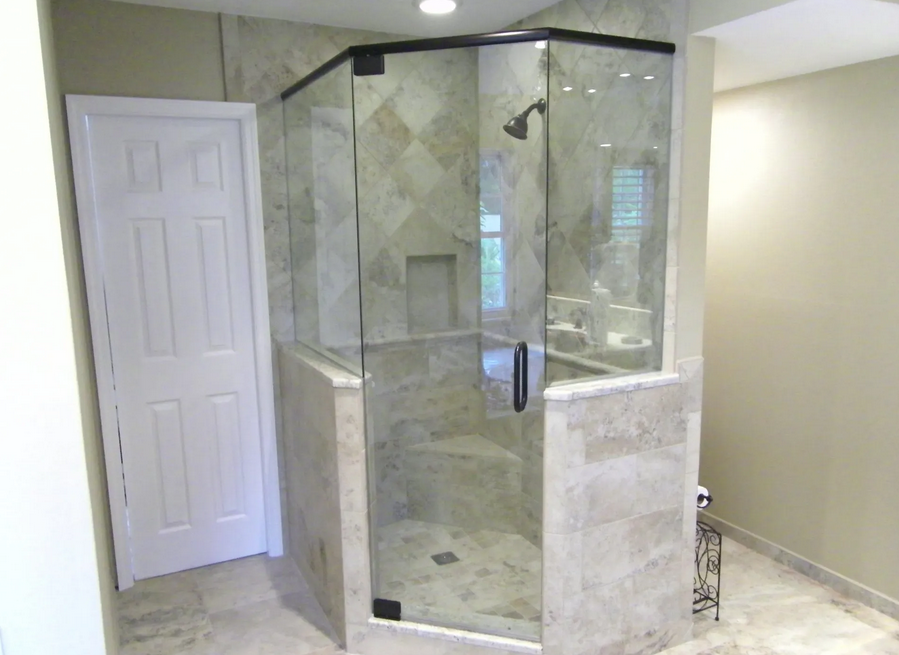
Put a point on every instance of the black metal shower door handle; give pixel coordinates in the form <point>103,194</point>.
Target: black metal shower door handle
<point>520,377</point>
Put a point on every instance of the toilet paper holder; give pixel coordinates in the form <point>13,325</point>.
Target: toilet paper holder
<point>703,497</point>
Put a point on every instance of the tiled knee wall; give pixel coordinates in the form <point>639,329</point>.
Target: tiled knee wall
<point>327,504</point>
<point>620,518</point>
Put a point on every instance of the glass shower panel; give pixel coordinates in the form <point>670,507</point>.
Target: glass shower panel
<point>452,229</point>
<point>321,187</point>
<point>610,114</point>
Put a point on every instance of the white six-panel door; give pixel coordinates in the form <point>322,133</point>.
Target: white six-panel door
<point>171,222</point>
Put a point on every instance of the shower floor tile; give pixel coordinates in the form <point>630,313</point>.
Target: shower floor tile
<point>494,587</point>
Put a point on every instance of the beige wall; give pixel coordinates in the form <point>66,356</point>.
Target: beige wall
<point>800,417</point>
<point>112,48</point>
<point>120,49</point>
<point>87,385</point>
<point>694,194</point>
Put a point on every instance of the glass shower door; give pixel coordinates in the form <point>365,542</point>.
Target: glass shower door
<point>452,224</point>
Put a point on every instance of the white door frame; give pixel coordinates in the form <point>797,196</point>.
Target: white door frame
<point>79,109</point>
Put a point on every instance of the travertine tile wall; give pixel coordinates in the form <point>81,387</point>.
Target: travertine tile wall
<point>522,435</point>
<point>631,114</point>
<point>618,527</point>
<point>321,185</point>
<point>468,482</point>
<point>510,79</point>
<point>262,58</point>
<point>313,501</point>
<point>417,172</point>
<point>328,506</point>
<point>423,389</point>
<point>620,518</point>
<point>637,122</point>
<point>621,470</point>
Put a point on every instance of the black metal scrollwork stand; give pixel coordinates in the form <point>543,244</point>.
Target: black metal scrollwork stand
<point>707,579</point>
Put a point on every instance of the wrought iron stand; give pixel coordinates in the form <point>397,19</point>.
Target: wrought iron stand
<point>707,579</point>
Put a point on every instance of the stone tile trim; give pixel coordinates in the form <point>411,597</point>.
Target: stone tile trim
<point>506,644</point>
<point>841,584</point>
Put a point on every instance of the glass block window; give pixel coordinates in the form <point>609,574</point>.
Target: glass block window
<point>632,199</point>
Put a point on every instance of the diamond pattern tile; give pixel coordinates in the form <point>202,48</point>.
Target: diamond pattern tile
<point>626,15</point>
<point>415,101</point>
<point>385,135</point>
<point>447,136</point>
<point>387,205</point>
<point>400,67</point>
<point>417,178</point>
<point>416,171</point>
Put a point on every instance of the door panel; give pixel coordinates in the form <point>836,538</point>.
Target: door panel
<point>173,238</point>
<point>453,278</point>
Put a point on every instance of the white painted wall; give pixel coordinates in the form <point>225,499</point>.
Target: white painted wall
<point>710,13</point>
<point>803,36</point>
<point>49,579</point>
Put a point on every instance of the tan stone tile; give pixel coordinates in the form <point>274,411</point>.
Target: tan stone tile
<point>243,582</point>
<point>282,626</point>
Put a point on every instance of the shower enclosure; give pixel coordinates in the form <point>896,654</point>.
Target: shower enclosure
<point>473,220</point>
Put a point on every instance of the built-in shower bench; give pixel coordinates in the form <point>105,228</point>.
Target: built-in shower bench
<point>466,481</point>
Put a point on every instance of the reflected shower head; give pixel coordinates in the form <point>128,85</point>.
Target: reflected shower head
<point>518,126</point>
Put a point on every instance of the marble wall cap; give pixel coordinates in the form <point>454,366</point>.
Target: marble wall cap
<point>339,378</point>
<point>606,387</point>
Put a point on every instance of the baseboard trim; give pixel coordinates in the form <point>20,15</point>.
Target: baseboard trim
<point>839,583</point>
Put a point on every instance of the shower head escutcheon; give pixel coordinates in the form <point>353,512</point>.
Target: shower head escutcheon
<point>518,126</point>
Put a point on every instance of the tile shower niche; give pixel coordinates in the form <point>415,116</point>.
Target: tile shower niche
<point>432,300</point>
<point>478,425</point>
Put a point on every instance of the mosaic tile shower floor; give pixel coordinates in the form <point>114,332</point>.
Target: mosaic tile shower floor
<point>494,586</point>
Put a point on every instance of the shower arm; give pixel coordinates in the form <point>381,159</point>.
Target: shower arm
<point>540,106</point>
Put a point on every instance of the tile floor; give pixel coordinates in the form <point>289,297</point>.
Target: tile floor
<point>258,606</point>
<point>768,609</point>
<point>251,606</point>
<point>494,587</point>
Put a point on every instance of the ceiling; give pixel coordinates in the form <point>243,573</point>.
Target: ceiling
<point>393,16</point>
<point>801,37</point>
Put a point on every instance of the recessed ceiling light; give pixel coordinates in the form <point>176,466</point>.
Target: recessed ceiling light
<point>540,45</point>
<point>655,147</point>
<point>591,90</point>
<point>605,145</point>
<point>566,88</point>
<point>649,77</point>
<point>625,75</point>
<point>437,6</point>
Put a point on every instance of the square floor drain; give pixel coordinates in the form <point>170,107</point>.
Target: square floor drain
<point>444,558</point>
